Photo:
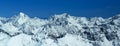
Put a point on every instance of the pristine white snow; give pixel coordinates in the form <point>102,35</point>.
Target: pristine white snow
<point>73,40</point>
<point>59,30</point>
<point>23,18</point>
<point>3,39</point>
<point>21,40</point>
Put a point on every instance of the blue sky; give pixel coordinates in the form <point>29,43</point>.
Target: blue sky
<point>47,8</point>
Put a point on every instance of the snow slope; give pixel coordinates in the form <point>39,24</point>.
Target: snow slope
<point>59,30</point>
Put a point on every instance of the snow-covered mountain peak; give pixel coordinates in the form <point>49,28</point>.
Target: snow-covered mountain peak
<point>22,18</point>
<point>61,15</point>
<point>22,14</point>
<point>59,30</point>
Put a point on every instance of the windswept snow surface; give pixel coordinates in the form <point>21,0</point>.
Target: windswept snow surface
<point>59,30</point>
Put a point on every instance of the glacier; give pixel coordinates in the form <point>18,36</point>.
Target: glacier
<point>59,30</point>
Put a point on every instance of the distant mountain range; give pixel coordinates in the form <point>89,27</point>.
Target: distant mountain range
<point>59,30</point>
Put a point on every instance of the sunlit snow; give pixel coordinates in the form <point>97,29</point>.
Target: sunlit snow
<point>59,30</point>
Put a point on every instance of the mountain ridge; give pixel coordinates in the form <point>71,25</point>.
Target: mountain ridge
<point>60,30</point>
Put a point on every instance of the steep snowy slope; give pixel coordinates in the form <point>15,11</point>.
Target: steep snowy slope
<point>59,30</point>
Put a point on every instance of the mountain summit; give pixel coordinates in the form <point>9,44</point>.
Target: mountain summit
<point>59,30</point>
